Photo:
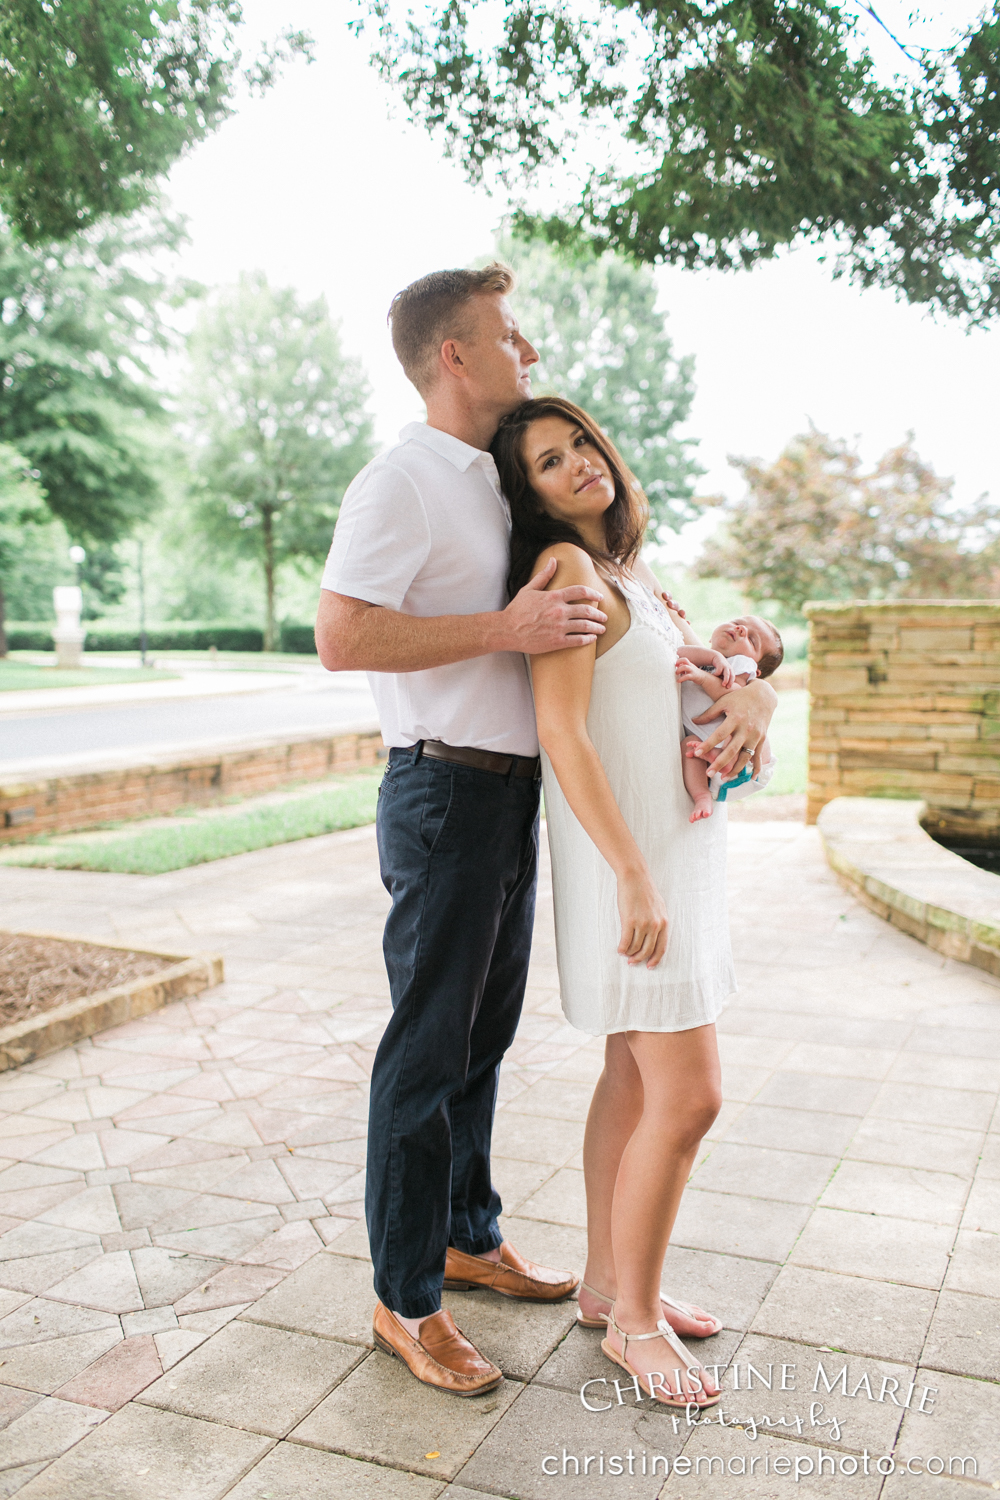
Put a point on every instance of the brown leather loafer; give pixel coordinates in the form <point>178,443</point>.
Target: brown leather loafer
<point>442,1356</point>
<point>512,1276</point>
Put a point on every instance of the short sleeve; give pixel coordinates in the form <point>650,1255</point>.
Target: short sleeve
<point>741,664</point>
<point>382,538</point>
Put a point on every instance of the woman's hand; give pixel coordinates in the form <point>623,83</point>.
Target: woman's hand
<point>644,920</point>
<point>748,712</point>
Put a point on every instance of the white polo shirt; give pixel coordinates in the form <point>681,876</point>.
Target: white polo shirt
<point>424,529</point>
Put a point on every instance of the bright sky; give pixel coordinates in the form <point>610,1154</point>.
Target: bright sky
<point>325,186</point>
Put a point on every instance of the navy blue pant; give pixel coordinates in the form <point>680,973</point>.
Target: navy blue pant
<point>459,852</point>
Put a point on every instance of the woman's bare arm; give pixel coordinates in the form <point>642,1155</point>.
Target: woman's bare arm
<point>562,684</point>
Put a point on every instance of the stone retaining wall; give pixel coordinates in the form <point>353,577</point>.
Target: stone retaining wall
<point>158,785</point>
<point>905,703</point>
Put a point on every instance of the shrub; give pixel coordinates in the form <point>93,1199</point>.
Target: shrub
<point>299,638</point>
<point>181,635</point>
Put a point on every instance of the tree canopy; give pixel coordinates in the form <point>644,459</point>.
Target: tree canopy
<point>98,100</point>
<point>26,531</point>
<point>718,131</point>
<point>604,345</point>
<point>278,417</point>
<point>815,524</point>
<point>78,325</point>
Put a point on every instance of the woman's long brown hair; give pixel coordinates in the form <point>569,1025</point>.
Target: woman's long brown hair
<point>533,529</point>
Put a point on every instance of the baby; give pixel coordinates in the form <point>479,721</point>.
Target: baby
<point>740,651</point>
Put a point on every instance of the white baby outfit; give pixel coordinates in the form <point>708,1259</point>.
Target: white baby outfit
<point>695,701</point>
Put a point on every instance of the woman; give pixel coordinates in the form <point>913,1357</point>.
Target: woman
<point>641,927</point>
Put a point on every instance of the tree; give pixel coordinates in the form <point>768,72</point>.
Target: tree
<point>279,421</point>
<point>98,100</point>
<point>722,131</point>
<point>79,324</point>
<point>26,526</point>
<point>602,343</point>
<point>816,525</point>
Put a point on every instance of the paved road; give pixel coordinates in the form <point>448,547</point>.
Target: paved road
<point>308,703</point>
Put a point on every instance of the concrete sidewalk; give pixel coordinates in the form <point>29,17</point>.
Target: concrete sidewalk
<point>186,1303</point>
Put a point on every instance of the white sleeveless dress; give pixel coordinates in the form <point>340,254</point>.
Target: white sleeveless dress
<point>635,724</point>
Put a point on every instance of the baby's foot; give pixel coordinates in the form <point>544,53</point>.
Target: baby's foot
<point>702,808</point>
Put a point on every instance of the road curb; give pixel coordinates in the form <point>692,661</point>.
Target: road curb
<point>69,1023</point>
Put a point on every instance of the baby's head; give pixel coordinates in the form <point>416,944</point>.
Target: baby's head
<point>750,636</point>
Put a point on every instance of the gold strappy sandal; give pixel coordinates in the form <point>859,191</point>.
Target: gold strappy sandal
<point>661,1392</point>
<point>682,1307</point>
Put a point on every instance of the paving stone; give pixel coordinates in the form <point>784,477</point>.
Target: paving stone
<point>12,1480</point>
<point>922,1105</point>
<point>818,1092</point>
<point>35,1273</point>
<point>960,1420</point>
<point>140,1205</point>
<point>964,1337</point>
<point>297,1473</point>
<point>747,1468</point>
<point>225,1241</point>
<point>729,1287</point>
<point>232,1284</point>
<point>121,1147</point>
<point>195,1177</point>
<point>41,1239</point>
<point>141,1453</point>
<point>544,1423</point>
<point>117,1376</point>
<point>286,1249</point>
<point>875,1246</point>
<point>922,1486</point>
<point>47,1366</point>
<point>331,1295</point>
<point>901,1192</point>
<point>45,1431</point>
<point>892,1143</point>
<point>975,1264</point>
<point>257,1378</point>
<point>210,1322</point>
<point>175,1344</point>
<point>865,1421</point>
<point>730,1223</point>
<point>560,1201</point>
<point>354,1419</point>
<point>14,1403</point>
<point>153,1320</point>
<point>164,1276</point>
<point>39,1319</point>
<point>816,1307</point>
<point>518,1136</point>
<point>92,1210</point>
<point>552,1099</point>
<point>817,1131</point>
<point>785,1176</point>
<point>108,1283</point>
<point>982,1211</point>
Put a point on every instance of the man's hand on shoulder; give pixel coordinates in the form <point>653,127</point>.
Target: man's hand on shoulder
<point>538,619</point>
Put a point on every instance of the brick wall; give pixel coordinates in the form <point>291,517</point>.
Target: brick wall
<point>905,702</point>
<point>55,804</point>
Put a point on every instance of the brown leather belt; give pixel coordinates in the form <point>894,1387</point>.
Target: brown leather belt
<point>482,760</point>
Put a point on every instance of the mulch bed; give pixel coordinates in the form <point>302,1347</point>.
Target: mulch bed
<point>37,974</point>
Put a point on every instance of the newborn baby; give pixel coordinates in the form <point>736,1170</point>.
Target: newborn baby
<point>740,651</point>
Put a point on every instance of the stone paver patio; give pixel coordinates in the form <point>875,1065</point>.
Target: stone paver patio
<point>185,1298</point>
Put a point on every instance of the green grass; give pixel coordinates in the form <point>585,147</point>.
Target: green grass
<point>212,834</point>
<point>19,675</point>
<point>789,736</point>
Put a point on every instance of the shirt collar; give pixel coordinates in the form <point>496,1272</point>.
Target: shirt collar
<point>462,455</point>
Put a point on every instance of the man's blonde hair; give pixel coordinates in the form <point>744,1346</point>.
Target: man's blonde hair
<point>436,308</point>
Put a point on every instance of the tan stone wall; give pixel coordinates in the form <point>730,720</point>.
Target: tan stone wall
<point>58,803</point>
<point>905,702</point>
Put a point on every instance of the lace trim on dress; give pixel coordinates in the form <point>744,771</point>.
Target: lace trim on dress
<point>645,607</point>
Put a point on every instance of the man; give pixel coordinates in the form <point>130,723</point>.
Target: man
<point>414,593</point>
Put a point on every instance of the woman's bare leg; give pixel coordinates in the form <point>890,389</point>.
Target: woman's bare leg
<point>681,1095</point>
<point>615,1112</point>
